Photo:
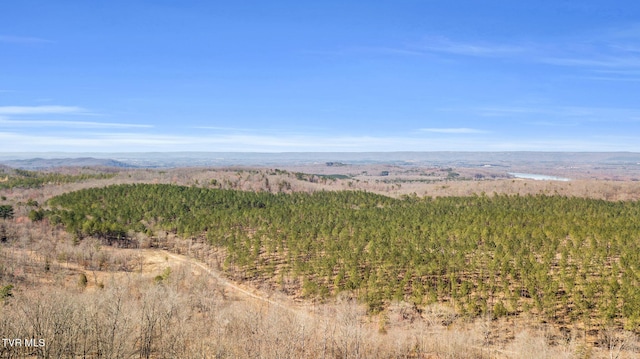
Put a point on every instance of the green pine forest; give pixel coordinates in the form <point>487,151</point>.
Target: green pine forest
<point>33,179</point>
<point>565,259</point>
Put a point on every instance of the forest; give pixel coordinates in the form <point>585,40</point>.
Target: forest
<point>565,259</point>
<point>32,179</point>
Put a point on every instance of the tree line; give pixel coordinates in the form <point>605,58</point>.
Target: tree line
<point>32,179</point>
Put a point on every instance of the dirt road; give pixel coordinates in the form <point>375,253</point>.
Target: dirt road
<point>156,259</point>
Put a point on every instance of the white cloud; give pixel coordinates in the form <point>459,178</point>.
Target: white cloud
<point>431,45</point>
<point>582,113</point>
<point>71,124</point>
<point>17,142</point>
<point>145,142</point>
<point>605,49</point>
<point>446,45</point>
<point>390,51</point>
<point>40,110</point>
<point>462,130</point>
<point>610,61</point>
<point>611,78</point>
<point>221,128</point>
<point>14,117</point>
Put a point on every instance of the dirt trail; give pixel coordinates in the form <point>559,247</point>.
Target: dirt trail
<point>282,303</point>
<point>154,261</point>
<point>240,290</point>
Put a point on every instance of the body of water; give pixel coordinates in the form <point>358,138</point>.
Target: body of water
<point>538,177</point>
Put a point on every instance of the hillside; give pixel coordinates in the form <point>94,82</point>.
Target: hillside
<point>322,263</point>
<point>47,163</point>
<point>565,259</point>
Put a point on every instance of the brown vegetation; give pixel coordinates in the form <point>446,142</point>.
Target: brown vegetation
<point>121,311</point>
<point>88,300</point>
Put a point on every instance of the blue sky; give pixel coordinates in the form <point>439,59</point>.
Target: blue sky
<point>281,76</point>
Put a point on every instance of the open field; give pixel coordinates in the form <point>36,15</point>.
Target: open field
<point>179,298</point>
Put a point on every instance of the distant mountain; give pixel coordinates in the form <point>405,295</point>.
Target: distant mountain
<point>45,163</point>
<point>44,160</point>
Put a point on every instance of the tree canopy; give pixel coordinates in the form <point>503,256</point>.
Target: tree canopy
<point>560,257</point>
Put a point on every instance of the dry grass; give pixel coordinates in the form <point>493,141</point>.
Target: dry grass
<point>190,313</point>
<point>123,311</point>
